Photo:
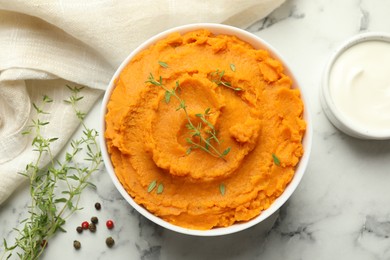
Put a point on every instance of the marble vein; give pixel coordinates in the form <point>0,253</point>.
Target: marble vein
<point>365,17</point>
<point>288,10</point>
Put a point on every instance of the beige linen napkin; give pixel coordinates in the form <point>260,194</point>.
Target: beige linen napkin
<point>46,44</point>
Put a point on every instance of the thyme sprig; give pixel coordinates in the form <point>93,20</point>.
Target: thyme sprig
<point>217,78</point>
<point>55,190</point>
<point>205,141</point>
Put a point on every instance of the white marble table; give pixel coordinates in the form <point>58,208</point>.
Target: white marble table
<point>341,210</point>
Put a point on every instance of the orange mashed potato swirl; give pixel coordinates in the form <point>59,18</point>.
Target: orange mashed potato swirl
<point>260,116</point>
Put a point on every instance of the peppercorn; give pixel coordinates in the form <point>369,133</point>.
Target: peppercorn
<point>110,224</point>
<point>110,242</point>
<point>98,206</point>
<point>76,244</point>
<point>94,220</point>
<point>92,227</point>
<point>44,243</point>
<point>85,225</point>
<point>79,229</point>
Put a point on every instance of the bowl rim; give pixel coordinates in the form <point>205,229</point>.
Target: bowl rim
<point>307,139</point>
<point>335,116</point>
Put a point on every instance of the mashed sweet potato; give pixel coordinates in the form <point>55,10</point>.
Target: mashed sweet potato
<point>258,115</point>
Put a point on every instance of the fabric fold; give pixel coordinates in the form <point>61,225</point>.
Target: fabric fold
<point>14,115</point>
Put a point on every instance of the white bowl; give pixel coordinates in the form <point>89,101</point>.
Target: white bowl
<point>257,43</point>
<point>339,119</point>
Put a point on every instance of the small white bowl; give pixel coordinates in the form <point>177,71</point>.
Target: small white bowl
<point>339,119</point>
<point>307,140</point>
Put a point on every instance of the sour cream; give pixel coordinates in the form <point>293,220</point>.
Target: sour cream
<point>359,85</point>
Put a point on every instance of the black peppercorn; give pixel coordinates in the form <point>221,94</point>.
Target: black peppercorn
<point>110,242</point>
<point>94,220</point>
<point>76,244</point>
<point>92,227</point>
<point>98,206</point>
<point>79,229</point>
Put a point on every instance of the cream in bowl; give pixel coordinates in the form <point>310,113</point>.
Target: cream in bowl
<point>206,131</point>
<point>356,87</point>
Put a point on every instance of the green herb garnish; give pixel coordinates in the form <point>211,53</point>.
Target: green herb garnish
<point>222,189</point>
<point>232,67</point>
<point>163,64</point>
<point>217,78</point>
<point>276,160</point>
<point>204,143</point>
<point>55,189</point>
<point>152,185</point>
<point>160,188</point>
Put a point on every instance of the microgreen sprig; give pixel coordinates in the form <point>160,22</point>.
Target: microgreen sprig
<point>204,143</point>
